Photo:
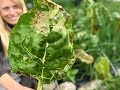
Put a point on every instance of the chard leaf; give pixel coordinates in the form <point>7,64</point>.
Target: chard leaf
<point>41,43</point>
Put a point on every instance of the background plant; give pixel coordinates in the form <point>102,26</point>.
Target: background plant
<point>96,25</point>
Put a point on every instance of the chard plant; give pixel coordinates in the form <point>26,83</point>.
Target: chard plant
<point>41,43</point>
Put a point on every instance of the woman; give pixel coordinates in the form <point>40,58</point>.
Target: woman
<point>10,11</point>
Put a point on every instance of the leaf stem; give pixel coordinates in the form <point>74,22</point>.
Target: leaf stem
<point>43,59</point>
<point>40,85</point>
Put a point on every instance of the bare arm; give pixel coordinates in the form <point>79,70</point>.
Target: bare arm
<point>10,84</point>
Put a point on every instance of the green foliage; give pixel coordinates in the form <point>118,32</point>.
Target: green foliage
<point>102,67</point>
<point>71,75</point>
<point>41,43</point>
<point>96,26</point>
<point>101,27</point>
<point>113,83</point>
<point>28,1</point>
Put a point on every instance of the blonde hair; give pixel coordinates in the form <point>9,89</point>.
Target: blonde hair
<point>5,29</point>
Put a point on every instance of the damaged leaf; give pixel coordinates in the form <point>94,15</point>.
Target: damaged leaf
<point>40,44</point>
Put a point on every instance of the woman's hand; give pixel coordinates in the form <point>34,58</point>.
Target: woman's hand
<point>18,87</point>
<point>26,88</point>
<point>10,84</point>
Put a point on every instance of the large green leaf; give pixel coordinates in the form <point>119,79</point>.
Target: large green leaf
<point>41,42</point>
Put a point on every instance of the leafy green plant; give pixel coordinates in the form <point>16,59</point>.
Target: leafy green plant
<point>102,67</point>
<point>41,43</point>
<point>113,83</point>
<point>96,31</point>
<point>71,75</point>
